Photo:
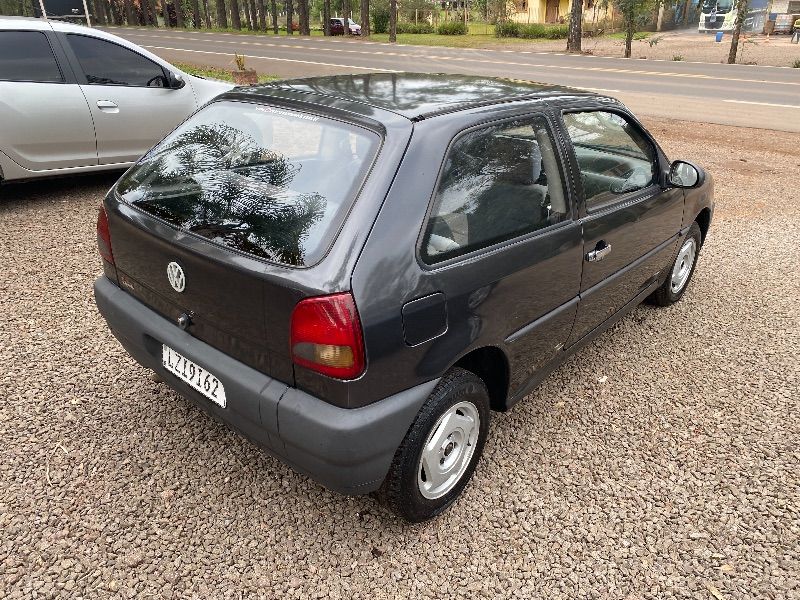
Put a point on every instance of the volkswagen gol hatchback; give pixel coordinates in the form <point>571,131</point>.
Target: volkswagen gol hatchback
<point>354,271</point>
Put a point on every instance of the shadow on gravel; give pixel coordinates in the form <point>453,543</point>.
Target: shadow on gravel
<point>44,189</point>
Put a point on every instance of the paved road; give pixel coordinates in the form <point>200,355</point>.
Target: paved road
<point>766,97</point>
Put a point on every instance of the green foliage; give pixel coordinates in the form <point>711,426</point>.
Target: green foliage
<point>423,27</point>
<point>796,64</point>
<point>452,28</point>
<point>380,20</point>
<point>677,58</point>
<point>531,31</point>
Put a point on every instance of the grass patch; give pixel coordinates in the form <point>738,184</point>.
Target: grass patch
<point>531,31</point>
<point>216,72</point>
<point>796,64</point>
<point>638,35</point>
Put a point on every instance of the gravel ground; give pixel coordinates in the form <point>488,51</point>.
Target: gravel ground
<point>663,461</point>
<point>689,45</point>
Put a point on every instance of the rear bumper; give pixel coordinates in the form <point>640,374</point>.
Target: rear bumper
<point>346,450</point>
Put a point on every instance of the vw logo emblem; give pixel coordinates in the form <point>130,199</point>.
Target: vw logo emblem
<point>176,277</point>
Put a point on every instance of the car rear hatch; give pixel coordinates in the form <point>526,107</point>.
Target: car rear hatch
<point>213,222</point>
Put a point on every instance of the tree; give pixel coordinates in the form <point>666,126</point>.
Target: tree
<point>289,11</point>
<point>575,26</point>
<point>302,12</point>
<point>222,15</point>
<point>197,22</point>
<point>633,11</point>
<point>364,18</point>
<point>741,13</point>
<point>273,7</point>
<point>393,20</point>
<point>180,20</point>
<point>262,15</point>
<point>207,13</point>
<point>236,17</point>
<point>326,17</point>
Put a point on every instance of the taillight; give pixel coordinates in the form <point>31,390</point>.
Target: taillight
<point>326,336</point>
<point>104,236</point>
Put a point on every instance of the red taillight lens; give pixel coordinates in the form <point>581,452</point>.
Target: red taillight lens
<point>326,336</point>
<point>104,236</point>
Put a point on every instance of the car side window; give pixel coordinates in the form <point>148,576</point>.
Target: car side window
<point>27,56</point>
<point>105,63</point>
<point>613,155</point>
<point>498,183</point>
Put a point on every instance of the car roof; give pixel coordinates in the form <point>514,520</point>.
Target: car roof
<point>416,95</point>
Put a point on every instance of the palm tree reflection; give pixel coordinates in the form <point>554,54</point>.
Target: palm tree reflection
<point>218,182</point>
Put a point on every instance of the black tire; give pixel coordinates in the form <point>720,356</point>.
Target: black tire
<point>666,295</point>
<point>400,491</point>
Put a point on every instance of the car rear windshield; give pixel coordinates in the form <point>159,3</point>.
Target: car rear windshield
<point>268,181</point>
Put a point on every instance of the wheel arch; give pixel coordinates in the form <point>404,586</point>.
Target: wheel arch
<point>489,363</point>
<point>703,220</point>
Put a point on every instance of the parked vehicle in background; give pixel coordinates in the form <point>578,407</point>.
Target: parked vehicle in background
<point>720,15</point>
<point>337,26</point>
<point>355,270</point>
<point>75,99</point>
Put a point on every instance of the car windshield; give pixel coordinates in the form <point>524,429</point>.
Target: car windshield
<point>268,181</point>
<point>722,6</point>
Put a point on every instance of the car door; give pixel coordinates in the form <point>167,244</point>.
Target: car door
<point>502,243</point>
<point>45,122</point>
<point>630,222</point>
<point>127,94</point>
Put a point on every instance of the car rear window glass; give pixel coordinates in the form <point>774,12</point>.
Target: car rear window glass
<point>271,182</point>
<point>27,56</point>
<point>105,63</point>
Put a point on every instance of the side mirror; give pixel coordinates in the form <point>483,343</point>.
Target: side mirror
<point>175,81</point>
<point>684,174</point>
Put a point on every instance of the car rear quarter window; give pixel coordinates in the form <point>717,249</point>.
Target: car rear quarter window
<point>498,183</point>
<point>27,56</point>
<point>105,63</point>
<point>270,182</point>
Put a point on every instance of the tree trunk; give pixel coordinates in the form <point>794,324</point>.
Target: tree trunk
<point>262,15</point>
<point>99,17</point>
<point>129,12</point>
<point>247,21</point>
<point>207,13</point>
<point>741,13</point>
<point>236,17</point>
<point>392,20</point>
<point>301,15</point>
<point>180,18</point>
<point>273,6</point>
<point>222,15</point>
<point>196,19</point>
<point>326,17</point>
<point>630,22</point>
<point>364,18</point>
<point>575,26</point>
<point>289,11</point>
<point>254,13</point>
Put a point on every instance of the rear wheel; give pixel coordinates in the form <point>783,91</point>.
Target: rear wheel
<point>436,459</point>
<point>682,270</point>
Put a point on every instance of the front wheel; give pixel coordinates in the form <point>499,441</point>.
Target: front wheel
<point>682,269</point>
<point>437,457</point>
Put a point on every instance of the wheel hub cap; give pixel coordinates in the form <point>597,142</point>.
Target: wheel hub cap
<point>683,265</point>
<point>448,450</point>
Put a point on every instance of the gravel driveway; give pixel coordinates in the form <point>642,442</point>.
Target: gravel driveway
<point>661,461</point>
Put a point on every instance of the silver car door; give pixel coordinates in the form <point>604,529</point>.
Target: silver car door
<point>45,122</point>
<point>128,95</point>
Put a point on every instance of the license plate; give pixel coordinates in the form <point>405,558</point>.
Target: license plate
<point>193,374</point>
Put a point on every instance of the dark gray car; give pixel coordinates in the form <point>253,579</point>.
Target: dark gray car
<point>354,271</point>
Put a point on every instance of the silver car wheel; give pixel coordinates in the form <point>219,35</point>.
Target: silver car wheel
<point>683,265</point>
<point>448,450</point>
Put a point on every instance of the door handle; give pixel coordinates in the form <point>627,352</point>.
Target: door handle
<point>107,106</point>
<point>600,251</point>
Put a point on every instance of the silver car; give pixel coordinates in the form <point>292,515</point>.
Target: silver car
<point>75,99</point>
